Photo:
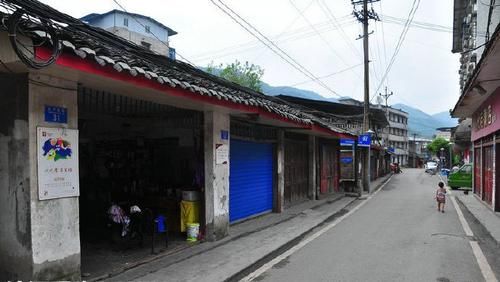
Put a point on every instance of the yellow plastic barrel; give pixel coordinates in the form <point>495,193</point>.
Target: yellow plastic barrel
<point>190,213</point>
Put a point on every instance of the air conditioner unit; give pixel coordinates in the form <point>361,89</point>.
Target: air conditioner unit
<point>473,58</point>
<point>471,67</point>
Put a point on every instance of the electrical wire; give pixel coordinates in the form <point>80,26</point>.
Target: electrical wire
<point>402,37</point>
<point>333,20</point>
<point>383,41</point>
<point>299,34</point>
<point>286,28</point>
<point>319,34</point>
<point>329,75</point>
<point>268,43</point>
<point>35,61</point>
<point>494,5</point>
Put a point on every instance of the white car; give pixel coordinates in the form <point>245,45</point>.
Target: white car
<point>431,167</point>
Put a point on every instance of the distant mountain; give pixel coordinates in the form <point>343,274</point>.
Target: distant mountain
<point>295,92</point>
<point>423,124</point>
<point>446,118</point>
<point>419,122</point>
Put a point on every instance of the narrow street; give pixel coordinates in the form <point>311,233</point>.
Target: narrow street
<point>396,236</point>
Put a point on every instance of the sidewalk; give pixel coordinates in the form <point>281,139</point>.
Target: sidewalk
<point>486,217</point>
<point>249,243</point>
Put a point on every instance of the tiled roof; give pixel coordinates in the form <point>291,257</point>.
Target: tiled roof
<point>107,49</point>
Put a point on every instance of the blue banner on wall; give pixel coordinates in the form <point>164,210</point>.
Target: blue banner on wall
<point>364,140</point>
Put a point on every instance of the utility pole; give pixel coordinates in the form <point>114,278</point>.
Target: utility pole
<point>364,16</point>
<point>386,97</point>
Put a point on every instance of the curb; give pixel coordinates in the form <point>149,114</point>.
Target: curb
<point>292,242</point>
<point>462,204</point>
<point>285,246</point>
<point>223,242</point>
<point>478,221</point>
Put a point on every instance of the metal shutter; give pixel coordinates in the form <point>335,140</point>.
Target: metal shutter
<point>251,179</point>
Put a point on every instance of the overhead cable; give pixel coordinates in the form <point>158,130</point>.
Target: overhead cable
<point>269,44</point>
<point>401,39</point>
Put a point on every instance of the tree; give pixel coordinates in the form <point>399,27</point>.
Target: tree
<point>438,143</point>
<point>248,75</point>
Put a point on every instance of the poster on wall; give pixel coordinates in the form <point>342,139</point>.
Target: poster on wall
<point>221,154</point>
<point>57,154</point>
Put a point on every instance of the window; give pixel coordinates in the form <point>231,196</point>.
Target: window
<point>125,22</point>
<point>466,169</point>
<point>146,45</point>
<point>147,28</point>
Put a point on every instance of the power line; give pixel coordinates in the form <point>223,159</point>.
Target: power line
<point>401,39</point>
<point>286,28</point>
<point>329,14</point>
<point>319,34</point>
<point>268,43</point>
<point>380,62</point>
<point>418,24</point>
<point>383,41</point>
<point>329,75</point>
<point>125,10</point>
<point>245,47</point>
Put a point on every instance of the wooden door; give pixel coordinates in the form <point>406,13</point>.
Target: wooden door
<point>296,171</point>
<point>477,171</point>
<point>487,194</point>
<point>329,169</point>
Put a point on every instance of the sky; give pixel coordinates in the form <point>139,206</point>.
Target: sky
<point>424,74</point>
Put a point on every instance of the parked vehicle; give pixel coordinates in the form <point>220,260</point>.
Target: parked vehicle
<point>431,167</point>
<point>462,178</point>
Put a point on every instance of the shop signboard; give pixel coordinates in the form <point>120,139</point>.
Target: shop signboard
<point>221,154</point>
<point>364,140</point>
<point>346,142</point>
<point>485,120</point>
<point>346,160</point>
<point>57,159</point>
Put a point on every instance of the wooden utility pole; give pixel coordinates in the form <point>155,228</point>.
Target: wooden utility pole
<point>366,110</point>
<point>386,97</point>
<point>364,16</point>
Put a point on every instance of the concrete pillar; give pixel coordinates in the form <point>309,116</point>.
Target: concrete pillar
<point>312,167</point>
<point>216,125</point>
<point>55,227</point>
<point>279,194</point>
<point>15,234</point>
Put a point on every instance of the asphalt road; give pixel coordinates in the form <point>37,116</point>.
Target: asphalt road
<point>398,235</point>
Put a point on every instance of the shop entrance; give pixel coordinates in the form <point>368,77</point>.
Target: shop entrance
<point>296,169</point>
<point>141,171</point>
<point>329,176</point>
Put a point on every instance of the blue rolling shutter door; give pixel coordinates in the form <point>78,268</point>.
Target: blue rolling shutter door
<point>251,179</point>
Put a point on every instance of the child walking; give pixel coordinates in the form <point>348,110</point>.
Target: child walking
<point>441,197</point>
